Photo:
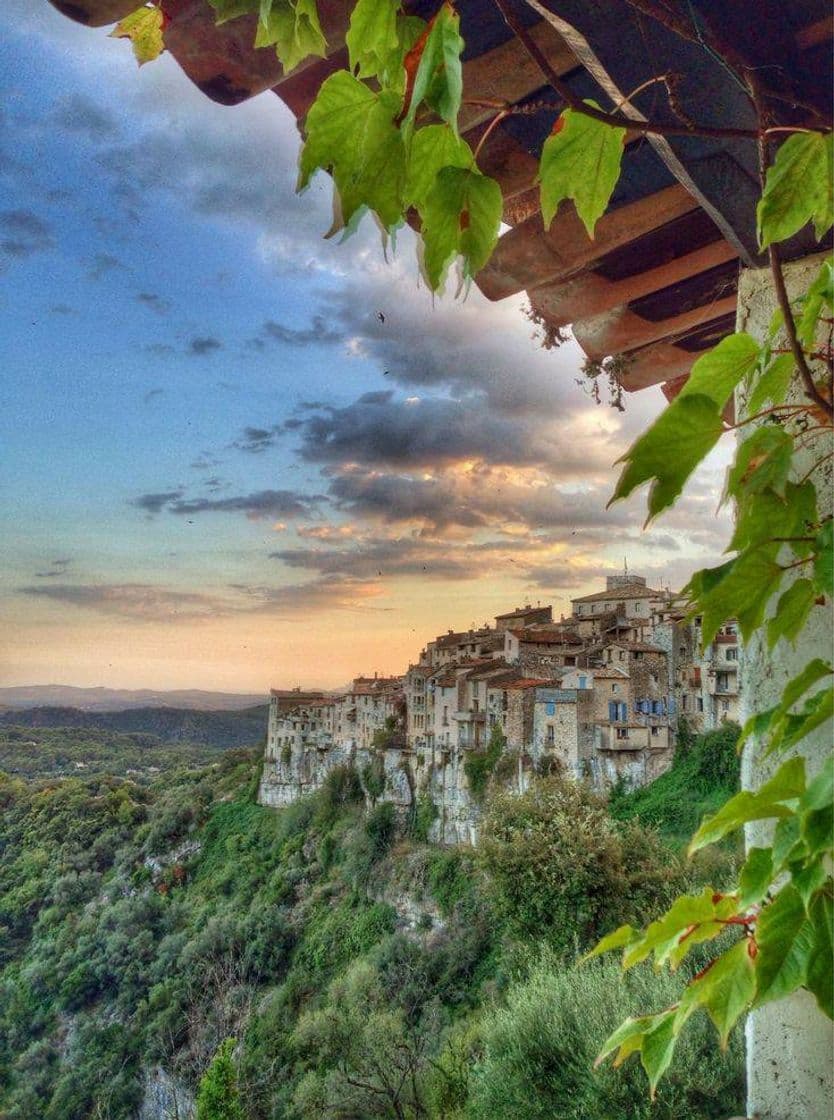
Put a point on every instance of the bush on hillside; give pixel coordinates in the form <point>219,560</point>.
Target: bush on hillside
<point>538,1053</point>
<point>562,870</point>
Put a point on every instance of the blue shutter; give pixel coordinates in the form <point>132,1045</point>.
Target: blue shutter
<point>624,712</point>
<point>550,708</point>
<point>612,709</point>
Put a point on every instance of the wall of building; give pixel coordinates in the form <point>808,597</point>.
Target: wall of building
<point>789,1042</point>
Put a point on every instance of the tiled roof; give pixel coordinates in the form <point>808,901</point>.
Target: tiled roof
<point>616,594</point>
<point>636,647</point>
<point>533,635</point>
<point>522,612</point>
<point>609,674</point>
<point>528,682</point>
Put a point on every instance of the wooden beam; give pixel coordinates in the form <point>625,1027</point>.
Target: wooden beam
<point>95,13</point>
<point>660,362</point>
<point>591,293</point>
<point>528,257</point>
<point>619,330</point>
<point>815,33</point>
<point>507,73</point>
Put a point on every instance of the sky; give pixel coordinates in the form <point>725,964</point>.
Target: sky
<point>236,455</point>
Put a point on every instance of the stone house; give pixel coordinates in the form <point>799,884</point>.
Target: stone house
<point>543,650</point>
<point>563,727</point>
<point>523,616</point>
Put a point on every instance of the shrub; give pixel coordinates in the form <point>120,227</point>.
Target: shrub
<point>559,866</point>
<point>286,754</point>
<point>479,765</point>
<point>340,789</point>
<point>373,777</point>
<point>539,1050</point>
<point>424,815</point>
<point>381,828</point>
<point>217,1096</point>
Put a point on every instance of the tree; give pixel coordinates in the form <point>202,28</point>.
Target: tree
<point>218,1097</point>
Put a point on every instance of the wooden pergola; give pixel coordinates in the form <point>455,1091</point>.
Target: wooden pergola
<point>657,284</point>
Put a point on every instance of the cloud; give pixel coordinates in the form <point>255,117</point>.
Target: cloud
<point>139,602</point>
<point>23,233</point>
<point>257,440</point>
<point>329,593</point>
<point>318,333</point>
<point>154,302</point>
<point>204,345</point>
<point>102,265</point>
<point>57,568</point>
<point>369,559</point>
<point>155,503</point>
<point>262,503</point>
<point>62,309</point>
<point>78,113</point>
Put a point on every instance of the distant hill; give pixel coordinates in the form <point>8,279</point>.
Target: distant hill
<point>222,729</point>
<point>117,699</point>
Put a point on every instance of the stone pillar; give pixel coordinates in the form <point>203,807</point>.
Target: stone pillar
<point>790,1042</point>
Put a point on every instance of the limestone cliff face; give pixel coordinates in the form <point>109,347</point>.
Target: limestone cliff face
<point>165,1098</point>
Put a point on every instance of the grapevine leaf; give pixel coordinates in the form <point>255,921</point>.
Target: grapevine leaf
<point>793,609</point>
<point>814,671</point>
<point>798,188</point>
<point>820,792</point>
<point>816,710</point>
<point>824,559</point>
<point>755,877</point>
<point>435,64</point>
<point>144,29</point>
<point>432,148</point>
<point>762,461</point>
<point>787,845</point>
<point>770,515</point>
<point>720,370</point>
<point>627,1038</point>
<point>372,37</point>
<point>657,1049</point>
<point>768,801</point>
<point>808,879</point>
<point>786,941</point>
<point>620,938</point>
<point>461,217</point>
<point>820,295</point>
<point>738,589</point>
<point>689,920</point>
<point>351,131</point>
<point>293,27</point>
<point>772,384</point>
<point>232,9</point>
<point>692,425</point>
<point>580,160</point>
<point>726,990</point>
<point>820,979</point>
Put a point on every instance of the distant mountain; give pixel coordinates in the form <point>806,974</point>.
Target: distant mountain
<point>243,728</point>
<point>118,699</point>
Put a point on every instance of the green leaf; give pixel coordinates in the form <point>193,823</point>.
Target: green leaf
<point>791,613</point>
<point>717,373</point>
<point>351,131</point>
<point>769,801</point>
<point>658,1048</point>
<point>726,990</point>
<point>762,517</point>
<point>692,426</point>
<point>372,37</point>
<point>824,559</point>
<point>798,188</point>
<point>144,29</point>
<point>786,941</point>
<point>820,792</point>
<point>438,79</point>
<point>293,27</point>
<point>787,844</point>
<point>738,589</point>
<point>794,726</point>
<point>431,149</point>
<point>772,384</point>
<point>763,461</point>
<point>580,160</point>
<point>818,297</point>
<point>755,877</point>
<point>232,9</point>
<point>461,217</point>
<point>820,979</point>
<point>627,1038</point>
<point>808,878</point>
<point>621,937</point>
<point>689,920</point>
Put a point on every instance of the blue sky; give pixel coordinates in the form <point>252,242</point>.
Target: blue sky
<point>221,467</point>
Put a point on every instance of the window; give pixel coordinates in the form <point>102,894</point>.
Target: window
<point>655,730</point>
<point>622,732</point>
<point>684,702</point>
<point>550,708</point>
<point>732,653</point>
<point>622,655</point>
<point>570,660</point>
<point>582,681</point>
<point>700,701</point>
<point>615,688</point>
<point>551,735</point>
<point>638,655</point>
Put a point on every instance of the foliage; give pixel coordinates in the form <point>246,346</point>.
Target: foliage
<point>561,869</point>
<point>537,1053</point>
<point>144,30</point>
<point>424,815</point>
<point>479,765</point>
<point>218,1097</point>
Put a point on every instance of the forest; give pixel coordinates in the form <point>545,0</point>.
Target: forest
<point>325,961</point>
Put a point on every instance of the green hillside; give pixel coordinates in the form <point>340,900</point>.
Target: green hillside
<point>360,972</point>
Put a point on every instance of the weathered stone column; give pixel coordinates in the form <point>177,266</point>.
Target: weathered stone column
<point>790,1043</point>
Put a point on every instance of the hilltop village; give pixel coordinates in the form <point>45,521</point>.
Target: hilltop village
<point>598,695</point>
